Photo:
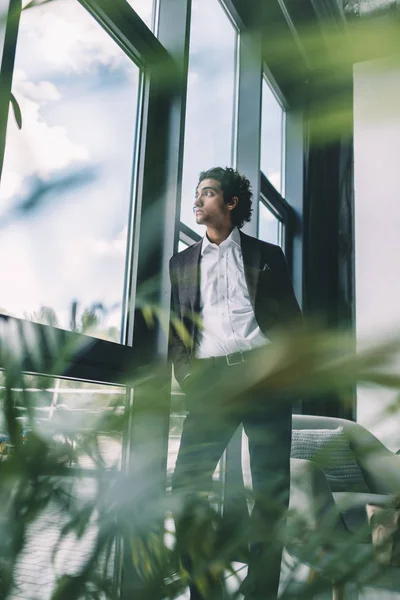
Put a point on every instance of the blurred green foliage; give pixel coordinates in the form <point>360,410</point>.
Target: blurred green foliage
<point>62,457</point>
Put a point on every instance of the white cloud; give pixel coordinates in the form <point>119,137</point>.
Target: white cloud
<point>114,248</point>
<point>38,148</point>
<point>42,91</point>
<point>91,268</point>
<point>67,38</point>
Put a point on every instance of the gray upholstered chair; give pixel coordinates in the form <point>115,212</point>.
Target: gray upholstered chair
<point>331,502</point>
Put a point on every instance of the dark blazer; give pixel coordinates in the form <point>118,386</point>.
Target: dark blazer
<point>268,281</point>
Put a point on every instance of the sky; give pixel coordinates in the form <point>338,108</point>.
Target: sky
<point>78,95</point>
<point>272,126</point>
<point>210,111</point>
<point>211,90</point>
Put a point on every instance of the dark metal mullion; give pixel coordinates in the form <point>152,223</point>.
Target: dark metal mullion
<point>189,232</point>
<point>9,49</point>
<point>129,254</point>
<point>232,11</point>
<point>272,209</point>
<point>274,198</point>
<point>48,350</point>
<point>174,34</point>
<point>249,116</point>
<point>283,212</point>
<point>128,30</point>
<point>156,238</point>
<point>248,162</point>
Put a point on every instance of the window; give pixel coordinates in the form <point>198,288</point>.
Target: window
<point>272,138</point>
<point>67,179</point>
<point>270,226</point>
<point>274,213</point>
<point>66,416</point>
<point>211,104</point>
<point>67,413</point>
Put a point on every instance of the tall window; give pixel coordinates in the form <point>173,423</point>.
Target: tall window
<point>270,225</point>
<point>273,212</point>
<point>211,98</point>
<point>272,138</point>
<point>67,180</point>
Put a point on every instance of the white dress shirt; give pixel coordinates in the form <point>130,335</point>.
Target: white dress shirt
<point>229,323</point>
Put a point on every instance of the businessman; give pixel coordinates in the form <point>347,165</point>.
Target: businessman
<point>231,293</point>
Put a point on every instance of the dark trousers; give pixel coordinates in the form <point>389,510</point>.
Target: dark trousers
<point>219,399</point>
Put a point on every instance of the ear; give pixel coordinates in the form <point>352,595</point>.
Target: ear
<point>233,202</point>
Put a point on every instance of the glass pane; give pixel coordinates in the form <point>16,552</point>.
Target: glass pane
<point>272,120</point>
<point>210,113</point>
<point>66,188</point>
<point>82,422</point>
<point>69,424</point>
<point>144,9</point>
<point>269,227</point>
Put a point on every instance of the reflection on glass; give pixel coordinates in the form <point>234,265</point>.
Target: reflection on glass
<point>210,113</point>
<point>272,124</point>
<point>66,187</point>
<point>82,422</point>
<point>269,226</point>
<point>144,9</point>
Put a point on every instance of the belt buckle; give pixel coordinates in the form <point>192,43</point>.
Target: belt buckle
<point>232,361</point>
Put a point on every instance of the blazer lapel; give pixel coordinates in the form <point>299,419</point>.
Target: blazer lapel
<point>192,267</point>
<point>251,254</point>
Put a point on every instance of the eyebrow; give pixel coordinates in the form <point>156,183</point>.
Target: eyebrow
<point>208,187</point>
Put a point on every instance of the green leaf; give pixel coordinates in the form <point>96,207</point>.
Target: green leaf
<point>17,111</point>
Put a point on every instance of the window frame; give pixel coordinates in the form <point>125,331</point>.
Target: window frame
<point>269,196</point>
<point>95,359</point>
<point>281,209</point>
<point>269,80</point>
<point>233,16</point>
<point>163,110</point>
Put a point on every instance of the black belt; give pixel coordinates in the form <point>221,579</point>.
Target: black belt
<point>229,360</point>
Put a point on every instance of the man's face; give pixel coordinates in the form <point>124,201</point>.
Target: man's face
<point>210,208</point>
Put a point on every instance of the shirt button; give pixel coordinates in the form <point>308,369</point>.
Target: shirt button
<point>222,276</point>
<point>222,297</point>
<point>224,315</point>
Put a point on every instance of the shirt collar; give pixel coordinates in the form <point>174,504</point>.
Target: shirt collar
<point>234,237</point>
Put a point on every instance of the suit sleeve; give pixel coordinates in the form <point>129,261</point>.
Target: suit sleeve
<point>178,352</point>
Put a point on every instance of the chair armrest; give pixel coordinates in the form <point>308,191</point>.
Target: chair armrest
<point>381,472</point>
<point>311,497</point>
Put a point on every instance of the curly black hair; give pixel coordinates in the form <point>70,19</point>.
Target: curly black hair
<point>233,184</point>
